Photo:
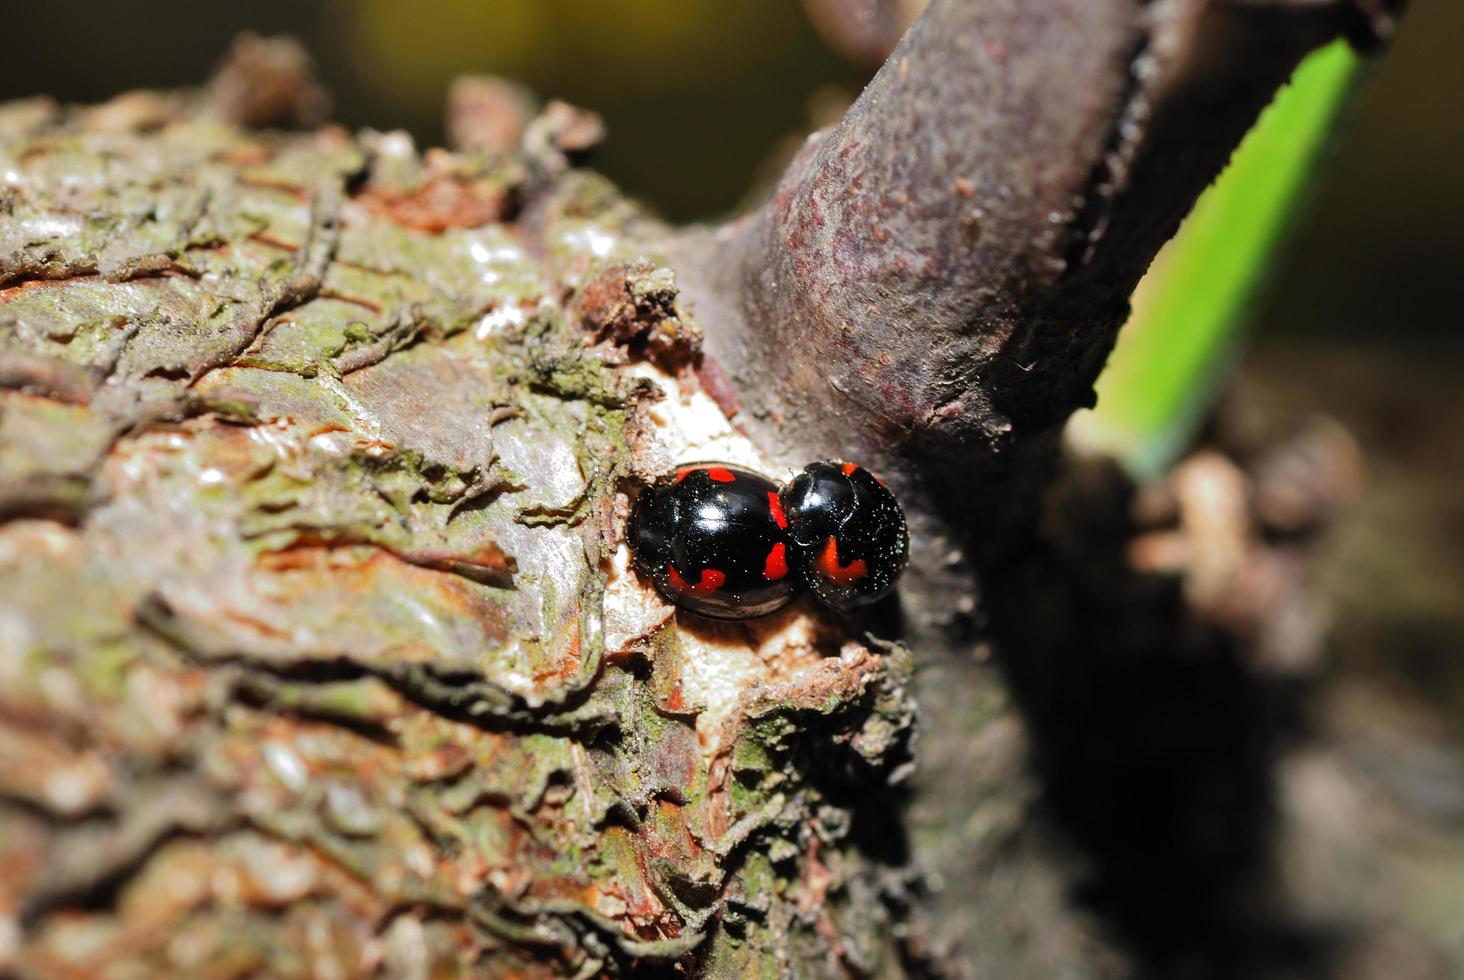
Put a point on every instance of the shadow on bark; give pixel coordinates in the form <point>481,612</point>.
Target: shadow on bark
<point>1156,741</point>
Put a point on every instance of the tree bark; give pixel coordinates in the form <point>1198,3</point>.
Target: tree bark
<point>319,651</point>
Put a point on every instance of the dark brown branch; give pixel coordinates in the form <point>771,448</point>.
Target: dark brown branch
<point>938,279</point>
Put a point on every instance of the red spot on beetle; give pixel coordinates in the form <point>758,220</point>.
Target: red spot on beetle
<point>776,506</point>
<point>720,474</point>
<point>711,581</point>
<point>683,473</point>
<point>849,468</point>
<point>828,565</point>
<point>776,565</point>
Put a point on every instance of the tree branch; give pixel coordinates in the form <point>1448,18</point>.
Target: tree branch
<point>933,289</point>
<point>938,279</point>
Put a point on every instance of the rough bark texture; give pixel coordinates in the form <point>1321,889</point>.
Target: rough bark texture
<point>309,481</point>
<point>318,652</point>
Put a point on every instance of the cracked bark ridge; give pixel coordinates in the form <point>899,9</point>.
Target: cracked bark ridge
<point>938,278</point>
<point>311,454</point>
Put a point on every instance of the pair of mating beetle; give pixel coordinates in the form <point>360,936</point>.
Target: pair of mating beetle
<point>728,543</point>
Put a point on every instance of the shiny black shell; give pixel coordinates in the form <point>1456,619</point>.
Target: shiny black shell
<point>849,533</point>
<point>714,540</point>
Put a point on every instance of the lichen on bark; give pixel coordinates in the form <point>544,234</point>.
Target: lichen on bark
<point>319,653</point>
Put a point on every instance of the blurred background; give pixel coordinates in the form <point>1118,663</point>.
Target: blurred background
<point>1361,319</point>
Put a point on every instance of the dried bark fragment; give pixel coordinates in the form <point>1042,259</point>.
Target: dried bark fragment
<point>487,115</point>
<point>268,82</point>
<point>634,307</point>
